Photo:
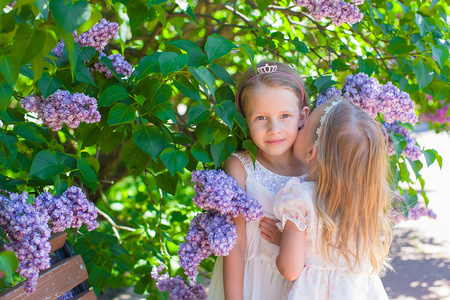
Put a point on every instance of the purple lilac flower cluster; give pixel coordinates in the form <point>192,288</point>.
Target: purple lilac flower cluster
<point>416,212</point>
<point>26,227</point>
<point>412,151</point>
<point>121,66</point>
<point>97,37</point>
<point>328,95</point>
<point>70,210</point>
<point>215,190</point>
<point>62,107</point>
<point>177,287</point>
<point>209,233</point>
<point>338,11</point>
<point>374,98</point>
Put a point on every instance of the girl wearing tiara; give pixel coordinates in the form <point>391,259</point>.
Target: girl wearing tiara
<point>336,234</point>
<point>275,105</point>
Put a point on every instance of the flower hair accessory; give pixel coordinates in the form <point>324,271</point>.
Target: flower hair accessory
<point>268,69</point>
<point>322,119</point>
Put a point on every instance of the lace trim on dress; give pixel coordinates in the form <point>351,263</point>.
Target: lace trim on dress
<point>270,180</point>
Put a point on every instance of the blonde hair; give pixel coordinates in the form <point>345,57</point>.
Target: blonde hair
<point>352,192</point>
<point>245,86</point>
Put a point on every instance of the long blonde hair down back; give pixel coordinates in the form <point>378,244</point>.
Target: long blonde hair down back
<point>352,191</point>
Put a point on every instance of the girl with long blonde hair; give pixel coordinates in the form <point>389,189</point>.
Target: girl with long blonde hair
<point>336,234</point>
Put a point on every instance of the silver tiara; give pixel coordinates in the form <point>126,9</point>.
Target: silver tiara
<point>322,119</point>
<point>266,69</point>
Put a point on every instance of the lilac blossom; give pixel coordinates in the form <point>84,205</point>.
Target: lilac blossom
<point>26,227</point>
<point>215,190</point>
<point>176,286</point>
<point>412,151</point>
<point>338,11</point>
<point>70,210</point>
<point>121,66</point>
<point>440,116</point>
<point>329,94</point>
<point>62,107</point>
<point>97,37</point>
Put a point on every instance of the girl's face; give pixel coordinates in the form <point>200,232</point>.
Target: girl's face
<point>274,116</point>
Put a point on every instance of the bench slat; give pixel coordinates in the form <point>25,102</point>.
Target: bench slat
<point>88,295</point>
<point>53,282</point>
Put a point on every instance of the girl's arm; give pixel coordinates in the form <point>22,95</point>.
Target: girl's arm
<point>233,264</point>
<point>291,259</point>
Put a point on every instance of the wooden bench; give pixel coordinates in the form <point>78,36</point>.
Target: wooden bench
<point>54,282</point>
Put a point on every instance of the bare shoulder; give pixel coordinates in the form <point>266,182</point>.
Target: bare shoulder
<point>235,168</point>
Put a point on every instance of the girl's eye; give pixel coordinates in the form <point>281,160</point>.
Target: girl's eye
<point>260,118</point>
<point>285,116</point>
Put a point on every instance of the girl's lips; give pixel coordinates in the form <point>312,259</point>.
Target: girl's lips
<point>275,142</point>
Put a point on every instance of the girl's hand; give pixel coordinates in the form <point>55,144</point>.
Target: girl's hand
<point>270,231</point>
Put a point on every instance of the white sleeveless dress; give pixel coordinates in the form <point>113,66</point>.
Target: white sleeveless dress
<point>262,280</point>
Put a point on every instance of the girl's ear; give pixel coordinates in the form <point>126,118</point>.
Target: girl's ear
<point>311,153</point>
<point>304,113</point>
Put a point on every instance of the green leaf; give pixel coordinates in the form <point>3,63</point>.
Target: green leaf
<point>83,74</point>
<point>221,73</point>
<point>150,139</point>
<point>140,99</point>
<point>28,43</point>
<point>133,156</point>
<point>423,72</point>
<point>125,262</point>
<point>226,110</point>
<point>248,51</point>
<point>252,148</point>
<point>263,4</point>
<point>203,75</point>
<point>8,264</point>
<point>398,45</point>
<point>187,88</point>
<point>158,92</point>
<point>425,27</point>
<point>222,150</point>
<point>137,14</point>
<point>109,140</point>
<point>161,14</point>
<point>431,156</point>
<point>224,93</point>
<point>190,13</point>
<point>174,160</point>
<point>69,16</point>
<point>48,85</point>
<point>433,3</point>
<point>323,83</point>
<point>217,46</point>
<point>200,154</point>
<point>86,169</point>
<point>121,113</point>
<point>28,132</point>
<point>148,64</point>
<point>47,164</point>
<point>99,274</point>
<point>167,183</point>
<point>441,55</point>
<point>207,131</point>
<point>186,45</point>
<point>170,62</point>
<point>9,68</point>
<point>300,46</point>
<point>197,113</point>
<point>6,93</point>
<point>165,112</point>
<point>367,66</point>
<point>112,94</point>
<point>399,142</point>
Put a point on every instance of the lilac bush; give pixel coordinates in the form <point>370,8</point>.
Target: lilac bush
<point>62,107</point>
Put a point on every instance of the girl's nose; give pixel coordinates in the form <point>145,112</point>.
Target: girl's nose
<point>274,127</point>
